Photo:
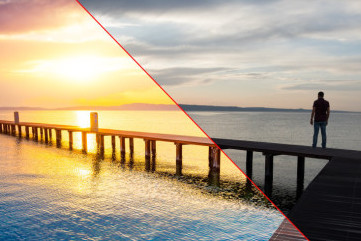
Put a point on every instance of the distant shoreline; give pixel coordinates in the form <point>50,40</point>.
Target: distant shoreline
<point>163,107</point>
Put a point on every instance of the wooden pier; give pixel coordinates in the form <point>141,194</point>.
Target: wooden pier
<point>44,132</point>
<point>330,207</point>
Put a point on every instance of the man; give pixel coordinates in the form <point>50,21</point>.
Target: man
<point>319,118</point>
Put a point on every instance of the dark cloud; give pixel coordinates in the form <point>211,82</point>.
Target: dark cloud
<point>161,6</point>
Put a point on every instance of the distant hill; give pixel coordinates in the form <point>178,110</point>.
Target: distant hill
<point>242,109</point>
<point>160,107</point>
<point>134,107</point>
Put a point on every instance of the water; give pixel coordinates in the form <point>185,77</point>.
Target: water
<point>343,132</point>
<point>51,193</point>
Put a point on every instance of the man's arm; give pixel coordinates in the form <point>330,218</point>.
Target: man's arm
<point>313,115</point>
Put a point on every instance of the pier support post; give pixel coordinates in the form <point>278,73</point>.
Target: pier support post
<point>101,145</point>
<point>36,134</point>
<point>147,154</point>
<point>268,180</point>
<point>179,159</point>
<point>12,130</point>
<point>41,133</point>
<point>154,148</point>
<point>84,141</point>
<point>300,175</point>
<point>113,148</point>
<point>46,135</point>
<point>131,146</point>
<point>249,164</point>
<point>70,140</point>
<point>58,137</point>
<point>50,135</point>
<point>122,147</point>
<point>19,131</point>
<point>214,166</point>
<point>27,135</point>
<point>1,127</point>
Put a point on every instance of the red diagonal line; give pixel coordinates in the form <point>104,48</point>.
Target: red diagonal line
<point>187,114</point>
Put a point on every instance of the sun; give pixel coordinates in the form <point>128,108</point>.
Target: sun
<point>81,68</point>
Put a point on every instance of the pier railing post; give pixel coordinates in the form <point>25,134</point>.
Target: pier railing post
<point>268,180</point>
<point>179,158</point>
<point>300,175</point>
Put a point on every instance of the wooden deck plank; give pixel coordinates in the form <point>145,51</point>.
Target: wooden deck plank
<point>330,208</point>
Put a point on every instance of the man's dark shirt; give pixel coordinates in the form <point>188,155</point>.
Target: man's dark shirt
<point>321,109</point>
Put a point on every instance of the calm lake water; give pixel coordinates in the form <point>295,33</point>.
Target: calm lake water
<point>343,131</point>
<point>54,193</point>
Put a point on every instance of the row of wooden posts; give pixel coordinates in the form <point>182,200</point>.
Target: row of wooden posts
<point>45,132</point>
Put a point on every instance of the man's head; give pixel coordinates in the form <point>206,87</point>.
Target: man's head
<point>320,94</point>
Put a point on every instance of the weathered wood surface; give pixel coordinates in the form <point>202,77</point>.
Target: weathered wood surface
<point>194,140</point>
<point>330,208</point>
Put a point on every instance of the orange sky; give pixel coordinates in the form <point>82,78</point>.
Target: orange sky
<point>53,54</point>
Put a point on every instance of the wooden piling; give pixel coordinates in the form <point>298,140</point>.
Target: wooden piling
<point>101,145</point>
<point>46,135</point>
<point>179,158</point>
<point>249,164</point>
<point>268,180</point>
<point>19,130</point>
<point>131,146</point>
<point>154,148</point>
<point>84,141</point>
<point>300,175</point>
<point>214,170</point>
<point>113,144</point>
<point>41,133</point>
<point>36,134</point>
<point>27,135</point>
<point>122,147</point>
<point>50,135</point>
<point>70,140</point>
<point>58,137</point>
<point>147,154</point>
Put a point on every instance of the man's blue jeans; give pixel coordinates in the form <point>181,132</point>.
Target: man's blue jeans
<point>317,126</point>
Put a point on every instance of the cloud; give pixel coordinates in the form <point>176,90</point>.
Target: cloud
<point>281,43</point>
<point>328,85</point>
<point>18,15</point>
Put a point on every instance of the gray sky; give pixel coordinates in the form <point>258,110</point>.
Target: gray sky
<point>243,52</point>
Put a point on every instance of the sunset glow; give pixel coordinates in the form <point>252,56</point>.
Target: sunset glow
<point>66,60</point>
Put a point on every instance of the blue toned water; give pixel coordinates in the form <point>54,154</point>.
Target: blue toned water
<point>343,130</point>
<point>50,193</point>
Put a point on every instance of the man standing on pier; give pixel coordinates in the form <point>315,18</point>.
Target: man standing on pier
<point>319,118</point>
